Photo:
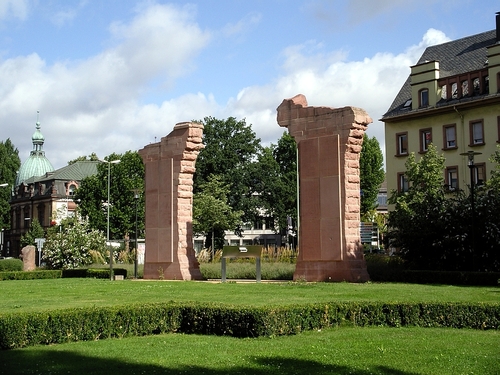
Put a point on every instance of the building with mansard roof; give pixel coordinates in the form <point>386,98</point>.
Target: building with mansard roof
<point>43,193</point>
<point>451,100</point>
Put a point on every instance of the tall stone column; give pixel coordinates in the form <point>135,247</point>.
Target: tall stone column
<point>170,165</point>
<point>329,142</point>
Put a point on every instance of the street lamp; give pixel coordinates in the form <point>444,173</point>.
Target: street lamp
<point>136,198</point>
<point>107,232</point>
<point>470,162</point>
<point>2,233</point>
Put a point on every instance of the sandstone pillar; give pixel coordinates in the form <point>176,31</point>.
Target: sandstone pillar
<point>329,143</point>
<point>28,255</point>
<point>170,165</point>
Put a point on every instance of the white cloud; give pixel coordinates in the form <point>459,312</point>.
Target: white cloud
<point>16,8</point>
<point>80,101</point>
<point>247,22</point>
<point>329,79</point>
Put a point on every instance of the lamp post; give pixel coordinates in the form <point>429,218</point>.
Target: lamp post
<point>470,162</point>
<point>2,232</point>
<point>136,198</point>
<point>107,231</point>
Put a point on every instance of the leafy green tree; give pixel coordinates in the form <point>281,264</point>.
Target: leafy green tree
<point>74,245</point>
<point>35,231</point>
<point>416,225</point>
<point>371,163</point>
<point>435,228</point>
<point>126,175</point>
<point>9,165</point>
<point>278,186</point>
<point>212,212</point>
<point>231,152</point>
<point>92,157</point>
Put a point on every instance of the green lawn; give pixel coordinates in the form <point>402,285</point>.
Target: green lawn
<point>348,350</point>
<point>338,350</point>
<point>33,295</point>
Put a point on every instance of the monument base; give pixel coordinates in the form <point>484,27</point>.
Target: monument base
<point>322,270</point>
<point>172,271</point>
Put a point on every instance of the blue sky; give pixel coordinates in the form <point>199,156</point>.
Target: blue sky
<point>115,75</point>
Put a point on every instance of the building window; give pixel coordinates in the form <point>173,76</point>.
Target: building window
<point>402,143</point>
<point>477,86</point>
<point>403,183</point>
<point>479,174</point>
<point>41,214</point>
<point>476,130</point>
<point>425,139</point>
<point>465,88</point>
<point>454,90</point>
<point>424,98</point>
<point>450,136</point>
<point>451,178</point>
<point>444,94</point>
<point>498,129</point>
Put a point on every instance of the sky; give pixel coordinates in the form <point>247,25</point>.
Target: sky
<point>116,75</point>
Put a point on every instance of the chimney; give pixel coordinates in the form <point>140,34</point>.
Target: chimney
<point>498,26</point>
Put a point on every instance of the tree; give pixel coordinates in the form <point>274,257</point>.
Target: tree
<point>9,165</point>
<point>93,195</point>
<point>231,151</point>
<point>35,231</point>
<point>416,225</point>
<point>74,245</point>
<point>211,212</point>
<point>434,227</point>
<point>92,157</point>
<point>371,173</point>
<point>278,190</point>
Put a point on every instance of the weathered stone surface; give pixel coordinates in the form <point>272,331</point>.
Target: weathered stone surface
<point>329,141</point>
<point>29,256</point>
<point>170,165</point>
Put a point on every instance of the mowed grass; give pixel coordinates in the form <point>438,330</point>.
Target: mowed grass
<point>36,295</point>
<point>337,350</point>
<point>347,350</point>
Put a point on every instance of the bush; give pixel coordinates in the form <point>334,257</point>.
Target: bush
<point>30,275</point>
<point>94,323</point>
<point>11,264</point>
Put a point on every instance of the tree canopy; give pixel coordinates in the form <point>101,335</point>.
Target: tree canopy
<point>126,175</point>
<point>212,213</point>
<point>9,165</point>
<point>435,228</point>
<point>371,172</point>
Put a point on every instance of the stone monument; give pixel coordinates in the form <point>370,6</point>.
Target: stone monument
<point>29,255</point>
<point>170,165</point>
<point>329,142</point>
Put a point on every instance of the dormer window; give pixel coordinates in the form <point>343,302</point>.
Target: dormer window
<point>424,98</point>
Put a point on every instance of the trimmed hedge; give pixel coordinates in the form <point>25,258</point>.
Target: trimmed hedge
<point>385,268</point>
<point>96,273</point>
<point>95,323</point>
<point>31,275</point>
<point>11,264</point>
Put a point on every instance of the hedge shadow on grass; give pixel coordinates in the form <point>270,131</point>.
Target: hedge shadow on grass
<point>67,362</point>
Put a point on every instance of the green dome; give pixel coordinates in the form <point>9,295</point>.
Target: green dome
<point>37,164</point>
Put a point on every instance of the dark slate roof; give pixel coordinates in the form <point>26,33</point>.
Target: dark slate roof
<point>76,171</point>
<point>455,57</point>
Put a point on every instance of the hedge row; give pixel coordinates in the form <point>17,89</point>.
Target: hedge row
<point>31,275</point>
<point>438,277</point>
<point>95,273</point>
<point>95,323</point>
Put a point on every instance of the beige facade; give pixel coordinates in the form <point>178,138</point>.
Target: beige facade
<point>451,100</point>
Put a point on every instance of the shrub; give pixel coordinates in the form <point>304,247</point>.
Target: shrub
<point>11,264</point>
<point>93,323</point>
<point>30,275</point>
